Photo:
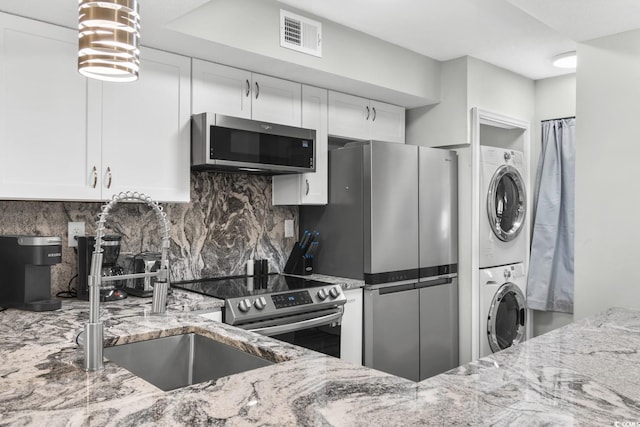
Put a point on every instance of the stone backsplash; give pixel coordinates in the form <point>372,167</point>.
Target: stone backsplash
<point>229,220</point>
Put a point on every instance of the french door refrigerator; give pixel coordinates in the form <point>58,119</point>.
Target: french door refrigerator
<point>391,220</point>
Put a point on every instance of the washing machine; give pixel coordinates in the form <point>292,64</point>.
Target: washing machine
<point>502,307</point>
<point>503,206</point>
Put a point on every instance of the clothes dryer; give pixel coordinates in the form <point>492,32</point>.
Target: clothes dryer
<point>502,307</point>
<point>503,206</point>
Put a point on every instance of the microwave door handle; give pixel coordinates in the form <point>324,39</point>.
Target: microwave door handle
<point>298,326</point>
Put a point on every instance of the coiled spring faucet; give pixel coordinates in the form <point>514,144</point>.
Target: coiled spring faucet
<point>94,329</point>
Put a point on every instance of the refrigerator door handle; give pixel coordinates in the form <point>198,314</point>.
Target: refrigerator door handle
<point>435,282</point>
<point>396,288</point>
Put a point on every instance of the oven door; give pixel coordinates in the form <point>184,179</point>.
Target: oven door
<point>318,331</point>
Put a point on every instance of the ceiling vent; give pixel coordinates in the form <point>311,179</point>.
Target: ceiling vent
<point>300,33</point>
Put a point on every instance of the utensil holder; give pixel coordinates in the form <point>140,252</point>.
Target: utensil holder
<point>298,263</point>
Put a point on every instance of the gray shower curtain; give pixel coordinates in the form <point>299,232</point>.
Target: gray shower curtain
<point>550,280</point>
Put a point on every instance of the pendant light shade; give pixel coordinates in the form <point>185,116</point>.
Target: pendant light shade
<point>108,39</point>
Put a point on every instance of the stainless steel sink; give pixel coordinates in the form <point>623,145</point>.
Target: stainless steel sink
<point>181,360</point>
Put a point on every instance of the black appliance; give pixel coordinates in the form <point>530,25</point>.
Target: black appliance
<point>110,291</point>
<point>25,272</point>
<point>303,312</point>
<point>231,144</point>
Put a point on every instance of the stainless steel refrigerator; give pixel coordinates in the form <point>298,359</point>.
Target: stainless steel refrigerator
<point>392,221</point>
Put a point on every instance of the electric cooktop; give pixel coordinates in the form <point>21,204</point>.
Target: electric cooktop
<point>246,286</point>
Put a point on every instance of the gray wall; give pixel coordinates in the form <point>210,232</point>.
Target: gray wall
<point>246,34</point>
<point>555,98</point>
<point>466,83</point>
<point>230,219</point>
<point>607,174</point>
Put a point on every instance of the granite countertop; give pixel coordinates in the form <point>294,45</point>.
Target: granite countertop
<point>583,374</point>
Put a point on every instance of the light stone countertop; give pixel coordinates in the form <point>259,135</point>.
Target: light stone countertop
<point>585,373</point>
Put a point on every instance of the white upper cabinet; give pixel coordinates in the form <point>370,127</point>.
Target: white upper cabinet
<point>220,89</point>
<point>348,116</point>
<point>65,137</point>
<point>234,92</point>
<point>43,114</point>
<point>145,130</point>
<point>308,188</point>
<point>352,117</point>
<point>276,101</point>
<point>387,122</point>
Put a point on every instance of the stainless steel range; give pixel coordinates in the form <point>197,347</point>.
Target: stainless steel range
<point>293,309</point>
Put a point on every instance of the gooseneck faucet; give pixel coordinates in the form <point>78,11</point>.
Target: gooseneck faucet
<point>94,330</point>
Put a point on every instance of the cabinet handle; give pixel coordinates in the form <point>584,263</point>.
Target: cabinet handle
<point>94,174</point>
<point>368,112</point>
<point>374,114</point>
<point>108,177</point>
<point>307,192</point>
<point>248,87</point>
<point>257,90</point>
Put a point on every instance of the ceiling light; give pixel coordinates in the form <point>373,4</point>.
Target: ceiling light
<point>565,60</point>
<point>108,39</point>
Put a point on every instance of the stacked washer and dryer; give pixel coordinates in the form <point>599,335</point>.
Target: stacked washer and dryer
<point>503,249</point>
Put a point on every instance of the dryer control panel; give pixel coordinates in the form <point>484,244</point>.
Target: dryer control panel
<point>514,271</point>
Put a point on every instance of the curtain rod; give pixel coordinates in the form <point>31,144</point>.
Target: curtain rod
<point>559,118</point>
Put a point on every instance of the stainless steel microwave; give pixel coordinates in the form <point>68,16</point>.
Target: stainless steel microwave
<point>231,144</point>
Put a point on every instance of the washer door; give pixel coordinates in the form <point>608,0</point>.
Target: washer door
<point>506,203</point>
<point>506,321</point>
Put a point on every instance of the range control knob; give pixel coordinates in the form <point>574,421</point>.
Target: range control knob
<point>244,305</point>
<point>260,303</point>
<point>334,292</point>
<point>322,294</point>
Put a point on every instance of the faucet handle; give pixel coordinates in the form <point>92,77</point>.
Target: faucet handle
<point>163,275</point>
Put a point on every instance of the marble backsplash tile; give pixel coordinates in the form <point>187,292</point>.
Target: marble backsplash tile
<point>229,220</point>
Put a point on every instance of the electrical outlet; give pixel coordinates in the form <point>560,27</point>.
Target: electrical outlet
<point>288,228</point>
<point>75,229</point>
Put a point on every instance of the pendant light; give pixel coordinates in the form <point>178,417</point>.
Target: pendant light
<point>108,39</point>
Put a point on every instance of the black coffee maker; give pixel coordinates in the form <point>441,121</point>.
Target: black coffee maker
<point>25,271</point>
<point>109,291</point>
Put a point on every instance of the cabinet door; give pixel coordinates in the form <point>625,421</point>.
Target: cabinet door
<point>276,101</point>
<point>146,130</point>
<point>351,329</point>
<point>313,190</point>
<point>43,114</point>
<point>220,89</point>
<point>308,188</point>
<point>348,116</point>
<point>387,122</point>
<point>212,315</point>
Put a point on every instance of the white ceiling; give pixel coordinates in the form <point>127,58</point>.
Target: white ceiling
<point>519,35</point>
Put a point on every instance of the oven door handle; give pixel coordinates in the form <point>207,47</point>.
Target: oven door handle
<point>298,326</point>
